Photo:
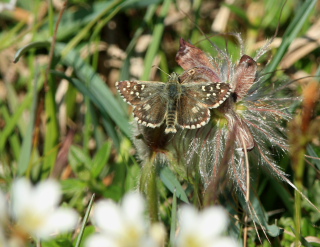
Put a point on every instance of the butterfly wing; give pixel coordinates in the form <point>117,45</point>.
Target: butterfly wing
<point>199,74</point>
<point>147,99</point>
<point>191,114</point>
<point>195,101</point>
<point>211,94</point>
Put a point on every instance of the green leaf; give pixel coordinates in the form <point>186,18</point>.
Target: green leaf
<point>77,158</point>
<point>100,159</point>
<point>72,186</point>
<point>172,183</point>
<point>258,214</point>
<point>133,173</point>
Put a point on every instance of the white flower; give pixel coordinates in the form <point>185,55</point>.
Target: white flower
<point>35,209</point>
<point>203,229</point>
<point>3,208</point>
<point>122,226</point>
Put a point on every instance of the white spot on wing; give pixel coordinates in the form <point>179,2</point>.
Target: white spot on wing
<point>194,109</point>
<point>147,107</point>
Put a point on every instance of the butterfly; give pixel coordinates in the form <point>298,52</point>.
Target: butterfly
<point>183,101</point>
<point>244,76</point>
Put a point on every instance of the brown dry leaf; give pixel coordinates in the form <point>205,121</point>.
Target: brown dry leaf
<point>302,46</point>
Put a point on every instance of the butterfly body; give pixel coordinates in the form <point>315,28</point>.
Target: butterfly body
<point>183,103</point>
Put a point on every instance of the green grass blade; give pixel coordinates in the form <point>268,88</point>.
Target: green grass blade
<point>12,122</point>
<point>101,96</point>
<point>84,31</point>
<point>26,148</point>
<point>126,64</point>
<point>156,39</point>
<point>291,33</point>
<point>85,220</point>
<point>173,224</point>
<point>26,48</point>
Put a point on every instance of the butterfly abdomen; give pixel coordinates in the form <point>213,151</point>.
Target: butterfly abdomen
<point>171,118</point>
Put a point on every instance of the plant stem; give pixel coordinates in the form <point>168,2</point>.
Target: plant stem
<point>148,185</point>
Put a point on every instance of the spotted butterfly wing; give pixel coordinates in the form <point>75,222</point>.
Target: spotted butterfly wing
<point>146,99</point>
<point>196,100</point>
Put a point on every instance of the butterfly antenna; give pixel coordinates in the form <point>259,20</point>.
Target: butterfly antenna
<point>154,66</point>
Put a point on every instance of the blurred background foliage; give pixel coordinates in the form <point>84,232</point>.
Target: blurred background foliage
<point>60,115</point>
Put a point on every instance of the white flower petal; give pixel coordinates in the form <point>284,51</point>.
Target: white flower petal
<point>203,228</point>
<point>107,216</point>
<point>225,242</point>
<point>62,220</point>
<point>21,191</point>
<point>35,209</point>
<point>158,234</point>
<point>188,218</point>
<point>133,207</point>
<point>99,240</point>
<point>213,222</point>
<point>46,196</point>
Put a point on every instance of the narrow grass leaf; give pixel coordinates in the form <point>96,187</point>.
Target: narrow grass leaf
<point>85,220</point>
<point>312,153</point>
<point>26,148</point>
<point>303,241</point>
<point>92,82</point>
<point>291,33</point>
<point>51,138</point>
<point>125,69</point>
<point>85,30</point>
<point>11,122</point>
<point>33,45</point>
<point>156,39</point>
<point>173,225</point>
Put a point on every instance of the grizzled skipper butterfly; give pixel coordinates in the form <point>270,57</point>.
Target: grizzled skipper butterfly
<point>183,101</point>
